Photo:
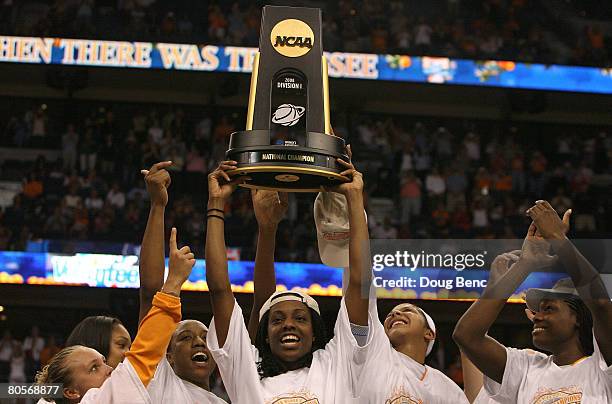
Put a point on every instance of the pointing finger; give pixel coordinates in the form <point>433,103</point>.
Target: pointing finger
<point>173,239</point>
<point>161,165</point>
<point>566,217</point>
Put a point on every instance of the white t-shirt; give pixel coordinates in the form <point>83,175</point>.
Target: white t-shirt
<point>484,398</point>
<point>390,376</point>
<point>435,184</point>
<point>17,374</point>
<point>123,386</point>
<point>533,377</point>
<point>167,387</point>
<point>6,352</point>
<point>331,378</point>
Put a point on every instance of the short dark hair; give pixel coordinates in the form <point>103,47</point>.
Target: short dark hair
<point>270,365</point>
<point>94,332</point>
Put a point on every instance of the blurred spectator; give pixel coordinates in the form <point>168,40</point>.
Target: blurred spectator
<point>93,202</point>
<point>18,364</point>
<point>32,187</point>
<point>56,225</point>
<point>50,349</point>
<point>561,202</point>
<point>70,141</point>
<point>33,344</point>
<point>537,177</point>
<point>116,197</point>
<point>410,195</point>
<point>435,185</point>
<point>73,199</point>
<point>108,155</point>
<point>384,230</point>
<point>6,354</point>
<point>39,127</point>
<point>440,218</point>
<point>480,215</point>
<point>87,152</point>
<point>454,371</point>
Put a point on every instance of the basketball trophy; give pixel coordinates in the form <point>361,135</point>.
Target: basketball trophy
<point>288,144</point>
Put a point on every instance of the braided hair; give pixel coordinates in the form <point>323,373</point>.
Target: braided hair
<point>56,371</point>
<point>584,321</point>
<point>270,365</point>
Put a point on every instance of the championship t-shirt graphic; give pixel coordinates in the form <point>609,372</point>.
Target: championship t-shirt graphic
<point>400,396</point>
<point>294,398</point>
<point>565,395</point>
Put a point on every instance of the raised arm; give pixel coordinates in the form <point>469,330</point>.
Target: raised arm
<point>357,297</point>
<point>159,324</point>
<point>152,263</point>
<point>220,187</point>
<point>270,208</point>
<point>587,280</point>
<point>472,378</point>
<point>507,273</point>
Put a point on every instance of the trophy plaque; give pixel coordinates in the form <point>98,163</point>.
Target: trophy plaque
<point>288,144</point>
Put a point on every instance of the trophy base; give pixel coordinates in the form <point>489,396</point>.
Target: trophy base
<point>287,168</point>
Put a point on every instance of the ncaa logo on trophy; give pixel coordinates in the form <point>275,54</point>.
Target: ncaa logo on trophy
<point>288,144</point>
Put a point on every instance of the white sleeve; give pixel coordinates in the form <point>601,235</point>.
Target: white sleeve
<point>517,367</point>
<point>602,362</point>
<point>344,348</point>
<point>236,360</point>
<point>122,387</point>
<point>483,398</point>
<point>162,384</point>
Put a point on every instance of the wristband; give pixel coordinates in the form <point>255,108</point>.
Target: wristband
<point>218,217</point>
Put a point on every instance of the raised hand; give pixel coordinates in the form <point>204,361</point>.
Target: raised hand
<point>270,207</point>
<point>535,249</point>
<point>158,181</point>
<point>180,265</point>
<point>355,185</point>
<point>548,222</point>
<point>501,265</point>
<point>220,185</point>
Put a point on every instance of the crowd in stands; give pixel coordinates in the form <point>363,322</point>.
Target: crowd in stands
<point>19,360</point>
<point>425,177</point>
<point>502,29</point>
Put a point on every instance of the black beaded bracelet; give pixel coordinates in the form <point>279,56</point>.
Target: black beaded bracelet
<point>215,209</point>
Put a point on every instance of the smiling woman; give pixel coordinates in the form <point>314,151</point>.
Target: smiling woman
<point>106,335</point>
<point>186,370</point>
<point>292,362</point>
<point>289,332</point>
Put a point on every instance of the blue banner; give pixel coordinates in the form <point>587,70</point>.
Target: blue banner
<point>167,56</point>
<point>121,271</point>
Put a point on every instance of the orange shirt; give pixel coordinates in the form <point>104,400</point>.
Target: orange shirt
<point>47,353</point>
<point>33,189</point>
<point>504,183</point>
<point>154,333</point>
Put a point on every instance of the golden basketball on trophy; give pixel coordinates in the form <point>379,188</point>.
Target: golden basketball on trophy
<point>288,144</point>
